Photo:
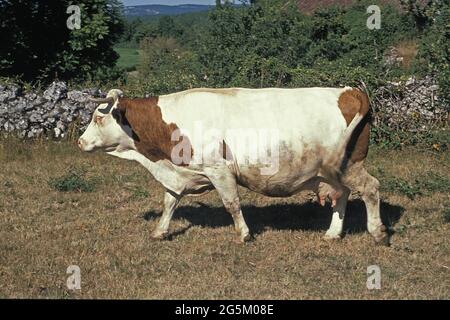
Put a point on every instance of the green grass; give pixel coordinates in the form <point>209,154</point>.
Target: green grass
<point>447,215</point>
<point>418,185</point>
<point>72,181</point>
<point>128,58</point>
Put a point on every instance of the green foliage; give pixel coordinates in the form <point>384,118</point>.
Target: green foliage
<point>433,182</point>
<point>424,184</point>
<point>434,49</point>
<point>73,181</point>
<point>398,185</point>
<point>447,215</point>
<point>139,193</point>
<point>245,45</point>
<point>385,137</point>
<point>165,67</point>
<point>37,44</point>
<point>128,58</point>
<point>185,28</point>
<point>270,43</point>
<point>167,28</point>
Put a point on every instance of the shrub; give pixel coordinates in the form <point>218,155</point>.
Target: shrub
<point>434,48</point>
<point>423,184</point>
<point>165,67</point>
<point>447,215</point>
<point>73,181</point>
<point>139,193</point>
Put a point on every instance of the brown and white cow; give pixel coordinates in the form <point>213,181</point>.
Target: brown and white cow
<point>273,141</point>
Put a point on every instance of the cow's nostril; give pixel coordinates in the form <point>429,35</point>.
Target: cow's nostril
<point>79,143</point>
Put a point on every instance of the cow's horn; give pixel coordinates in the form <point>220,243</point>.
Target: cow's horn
<point>102,100</point>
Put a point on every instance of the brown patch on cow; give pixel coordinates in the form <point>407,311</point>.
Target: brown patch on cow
<point>152,136</point>
<point>351,102</point>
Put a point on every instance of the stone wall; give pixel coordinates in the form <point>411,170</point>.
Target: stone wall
<point>409,106</point>
<point>413,105</point>
<point>51,113</point>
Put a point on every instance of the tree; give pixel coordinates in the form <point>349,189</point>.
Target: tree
<point>166,67</point>
<point>38,45</point>
<point>253,44</point>
<point>167,28</point>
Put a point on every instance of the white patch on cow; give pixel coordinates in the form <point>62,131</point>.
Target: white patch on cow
<point>160,170</point>
<point>335,229</point>
<point>303,121</point>
<point>310,113</point>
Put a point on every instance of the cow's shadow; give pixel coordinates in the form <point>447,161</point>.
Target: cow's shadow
<point>305,216</point>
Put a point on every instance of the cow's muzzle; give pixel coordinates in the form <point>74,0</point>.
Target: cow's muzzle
<point>81,144</point>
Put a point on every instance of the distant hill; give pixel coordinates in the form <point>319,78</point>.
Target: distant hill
<point>163,10</point>
<point>306,6</point>
<point>309,6</point>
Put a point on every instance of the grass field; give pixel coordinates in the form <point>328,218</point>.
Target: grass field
<point>128,58</point>
<point>105,230</point>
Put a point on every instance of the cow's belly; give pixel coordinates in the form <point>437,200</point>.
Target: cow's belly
<point>292,176</point>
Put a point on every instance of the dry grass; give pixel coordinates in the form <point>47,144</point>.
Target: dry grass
<point>107,233</point>
<point>408,50</point>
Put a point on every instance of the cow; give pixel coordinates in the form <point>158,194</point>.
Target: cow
<point>273,141</point>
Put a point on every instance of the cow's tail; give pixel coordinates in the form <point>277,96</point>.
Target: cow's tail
<point>331,167</point>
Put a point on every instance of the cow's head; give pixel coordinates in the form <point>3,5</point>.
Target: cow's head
<point>106,131</point>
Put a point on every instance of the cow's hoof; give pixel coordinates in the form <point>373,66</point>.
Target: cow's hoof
<point>332,237</point>
<point>381,237</point>
<point>244,238</point>
<point>158,235</point>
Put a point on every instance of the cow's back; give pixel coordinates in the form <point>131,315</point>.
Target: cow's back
<point>311,114</point>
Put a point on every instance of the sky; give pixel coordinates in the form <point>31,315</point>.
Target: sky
<point>167,2</point>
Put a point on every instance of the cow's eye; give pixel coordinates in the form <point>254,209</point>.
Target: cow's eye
<point>98,120</point>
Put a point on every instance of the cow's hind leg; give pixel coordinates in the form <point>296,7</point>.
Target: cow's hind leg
<point>171,201</point>
<point>368,187</point>
<point>225,184</point>
<point>371,197</point>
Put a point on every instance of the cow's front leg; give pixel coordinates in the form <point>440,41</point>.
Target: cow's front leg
<point>226,186</point>
<point>171,201</point>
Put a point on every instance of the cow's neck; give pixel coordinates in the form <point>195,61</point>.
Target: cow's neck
<point>160,170</point>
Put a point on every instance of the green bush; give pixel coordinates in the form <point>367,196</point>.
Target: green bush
<point>73,181</point>
<point>139,193</point>
<point>447,215</point>
<point>423,184</point>
<point>164,67</point>
<point>434,48</point>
